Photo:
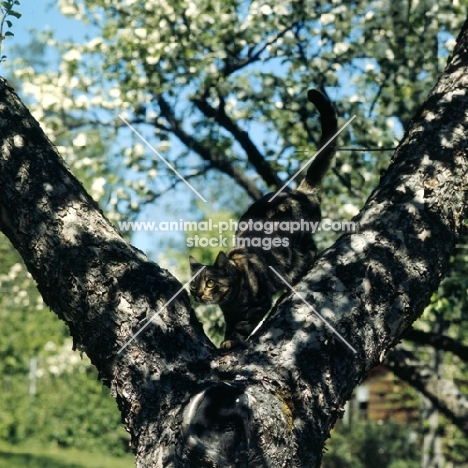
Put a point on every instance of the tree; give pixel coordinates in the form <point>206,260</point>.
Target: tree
<point>273,403</point>
<point>220,83</point>
<point>41,377</point>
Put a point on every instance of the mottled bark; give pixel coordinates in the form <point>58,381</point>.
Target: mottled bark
<point>272,403</point>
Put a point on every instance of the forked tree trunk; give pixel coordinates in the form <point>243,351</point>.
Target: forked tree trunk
<point>272,404</point>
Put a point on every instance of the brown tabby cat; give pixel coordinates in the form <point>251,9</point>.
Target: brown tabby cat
<point>241,281</point>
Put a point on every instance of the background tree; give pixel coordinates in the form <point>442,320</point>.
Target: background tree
<point>270,94</point>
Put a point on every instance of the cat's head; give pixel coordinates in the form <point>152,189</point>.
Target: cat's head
<point>217,283</point>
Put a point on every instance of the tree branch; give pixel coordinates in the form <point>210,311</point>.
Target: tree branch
<point>443,393</point>
<point>215,159</point>
<point>102,287</point>
<point>441,342</point>
<point>67,243</point>
<point>242,137</point>
<point>253,56</point>
<point>372,284</point>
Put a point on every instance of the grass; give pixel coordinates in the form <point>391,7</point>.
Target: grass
<point>26,457</point>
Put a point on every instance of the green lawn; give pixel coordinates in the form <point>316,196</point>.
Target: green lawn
<point>22,457</point>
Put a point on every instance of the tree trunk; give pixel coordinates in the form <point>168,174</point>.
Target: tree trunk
<point>272,403</point>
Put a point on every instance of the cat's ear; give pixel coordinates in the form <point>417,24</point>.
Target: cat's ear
<point>221,260</point>
<point>194,265</point>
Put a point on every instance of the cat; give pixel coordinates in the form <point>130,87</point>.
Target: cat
<point>241,281</point>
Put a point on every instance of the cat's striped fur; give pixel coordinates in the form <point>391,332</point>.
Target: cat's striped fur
<point>240,281</point>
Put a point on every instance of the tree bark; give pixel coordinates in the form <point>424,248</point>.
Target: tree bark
<point>272,403</point>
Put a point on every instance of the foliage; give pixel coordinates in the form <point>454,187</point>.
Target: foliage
<point>32,338</point>
<point>367,445</point>
<point>53,395</point>
<point>7,9</point>
<point>158,64</point>
<point>169,68</point>
<point>446,316</point>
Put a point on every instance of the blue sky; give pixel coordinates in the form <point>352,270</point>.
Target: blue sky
<point>42,15</point>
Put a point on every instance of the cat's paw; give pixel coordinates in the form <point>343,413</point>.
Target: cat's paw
<point>228,344</point>
<point>231,344</point>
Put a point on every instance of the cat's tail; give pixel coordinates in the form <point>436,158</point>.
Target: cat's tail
<point>322,162</point>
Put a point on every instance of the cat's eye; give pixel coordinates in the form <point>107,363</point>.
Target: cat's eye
<point>193,287</point>
<point>210,283</point>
